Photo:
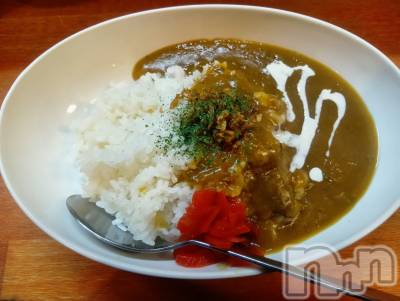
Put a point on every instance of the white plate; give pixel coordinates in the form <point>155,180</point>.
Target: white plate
<point>35,161</point>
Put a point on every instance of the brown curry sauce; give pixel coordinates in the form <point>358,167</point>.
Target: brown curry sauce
<point>287,207</point>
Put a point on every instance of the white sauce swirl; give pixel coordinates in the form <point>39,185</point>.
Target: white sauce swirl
<point>281,72</point>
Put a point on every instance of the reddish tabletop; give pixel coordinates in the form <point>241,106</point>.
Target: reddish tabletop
<point>35,267</point>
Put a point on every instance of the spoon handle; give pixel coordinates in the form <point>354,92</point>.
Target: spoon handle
<point>274,265</point>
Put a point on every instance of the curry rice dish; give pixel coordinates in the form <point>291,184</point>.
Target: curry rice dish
<point>238,143</point>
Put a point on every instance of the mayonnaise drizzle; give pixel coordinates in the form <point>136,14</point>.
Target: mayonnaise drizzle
<point>281,72</point>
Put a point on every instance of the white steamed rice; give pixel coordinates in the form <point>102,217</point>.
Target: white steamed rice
<point>122,168</point>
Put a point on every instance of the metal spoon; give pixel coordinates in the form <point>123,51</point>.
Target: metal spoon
<point>99,223</point>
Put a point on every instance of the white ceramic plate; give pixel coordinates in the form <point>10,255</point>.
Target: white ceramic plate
<point>35,161</point>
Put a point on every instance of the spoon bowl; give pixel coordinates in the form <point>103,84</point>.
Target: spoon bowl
<point>99,223</point>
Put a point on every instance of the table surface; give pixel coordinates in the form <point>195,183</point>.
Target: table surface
<point>35,267</point>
